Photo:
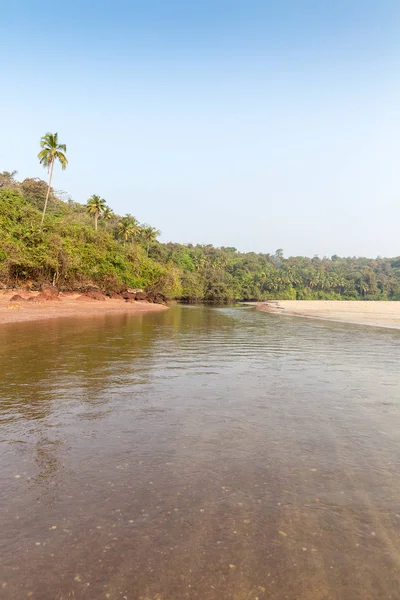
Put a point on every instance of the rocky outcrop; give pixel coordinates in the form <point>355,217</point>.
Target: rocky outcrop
<point>50,293</point>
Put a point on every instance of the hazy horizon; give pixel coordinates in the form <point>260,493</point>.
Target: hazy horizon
<point>238,124</point>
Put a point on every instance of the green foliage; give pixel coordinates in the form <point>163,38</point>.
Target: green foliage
<point>52,151</point>
<point>96,206</point>
<point>122,253</point>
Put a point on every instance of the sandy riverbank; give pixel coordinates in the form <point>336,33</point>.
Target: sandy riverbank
<point>378,314</point>
<point>66,305</point>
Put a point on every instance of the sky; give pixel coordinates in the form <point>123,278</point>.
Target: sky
<point>250,123</point>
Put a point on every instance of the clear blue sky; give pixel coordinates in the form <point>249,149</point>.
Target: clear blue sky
<point>254,123</point>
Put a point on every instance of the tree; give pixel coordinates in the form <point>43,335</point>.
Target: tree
<point>51,151</point>
<point>149,234</point>
<point>95,206</point>
<point>108,214</point>
<point>7,179</point>
<point>127,228</point>
<point>36,190</point>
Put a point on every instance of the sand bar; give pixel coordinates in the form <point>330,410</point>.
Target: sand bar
<point>66,306</point>
<point>376,313</point>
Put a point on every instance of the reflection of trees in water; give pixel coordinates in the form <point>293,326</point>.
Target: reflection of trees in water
<point>64,360</point>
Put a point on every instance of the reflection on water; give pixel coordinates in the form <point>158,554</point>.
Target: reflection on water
<point>199,453</point>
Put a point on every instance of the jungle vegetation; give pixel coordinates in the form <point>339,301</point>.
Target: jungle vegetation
<point>47,238</point>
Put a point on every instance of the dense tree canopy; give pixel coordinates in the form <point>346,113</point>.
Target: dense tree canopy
<point>68,251</point>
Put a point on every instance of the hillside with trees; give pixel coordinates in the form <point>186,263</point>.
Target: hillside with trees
<point>80,245</point>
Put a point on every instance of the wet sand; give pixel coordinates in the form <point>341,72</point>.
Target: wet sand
<point>376,313</point>
<point>67,305</point>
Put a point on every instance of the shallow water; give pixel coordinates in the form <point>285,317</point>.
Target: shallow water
<point>199,453</point>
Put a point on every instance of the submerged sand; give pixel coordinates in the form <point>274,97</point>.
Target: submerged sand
<point>376,313</point>
<point>66,305</point>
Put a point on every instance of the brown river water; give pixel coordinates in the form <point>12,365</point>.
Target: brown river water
<point>199,453</point>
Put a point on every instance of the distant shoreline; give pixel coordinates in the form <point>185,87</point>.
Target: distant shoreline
<point>373,313</point>
<point>66,305</point>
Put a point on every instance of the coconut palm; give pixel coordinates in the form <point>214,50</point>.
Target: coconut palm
<point>134,222</point>
<point>95,206</point>
<point>50,153</point>
<point>108,213</point>
<point>149,234</point>
<point>127,228</point>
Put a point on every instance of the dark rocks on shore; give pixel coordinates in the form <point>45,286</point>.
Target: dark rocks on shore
<point>49,292</point>
<point>114,295</point>
<point>140,296</point>
<point>156,298</point>
<point>95,294</point>
<point>17,298</point>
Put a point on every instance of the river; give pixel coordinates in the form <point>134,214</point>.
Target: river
<point>200,454</point>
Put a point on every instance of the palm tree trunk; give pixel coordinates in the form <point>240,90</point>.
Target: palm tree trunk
<point>95,222</point>
<point>48,193</point>
<point>148,246</point>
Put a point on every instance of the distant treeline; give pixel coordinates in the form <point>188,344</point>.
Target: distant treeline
<point>69,252</point>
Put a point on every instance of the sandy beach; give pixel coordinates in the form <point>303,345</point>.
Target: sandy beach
<point>378,314</point>
<point>65,305</point>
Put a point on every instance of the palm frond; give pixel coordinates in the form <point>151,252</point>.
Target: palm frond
<point>52,150</point>
<point>63,160</point>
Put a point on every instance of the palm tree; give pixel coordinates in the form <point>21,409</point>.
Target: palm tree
<point>127,228</point>
<point>95,206</point>
<point>149,235</point>
<point>108,213</point>
<point>51,151</point>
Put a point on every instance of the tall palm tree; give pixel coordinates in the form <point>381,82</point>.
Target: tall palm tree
<point>95,206</point>
<point>149,235</point>
<point>51,151</point>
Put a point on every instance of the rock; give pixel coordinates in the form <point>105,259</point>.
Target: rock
<point>156,298</point>
<point>17,298</point>
<point>50,290</point>
<point>45,297</point>
<point>115,296</point>
<point>128,296</point>
<point>94,293</point>
<point>141,296</point>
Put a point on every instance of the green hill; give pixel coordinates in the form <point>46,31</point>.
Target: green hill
<point>68,252</point>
